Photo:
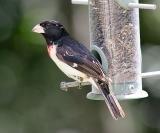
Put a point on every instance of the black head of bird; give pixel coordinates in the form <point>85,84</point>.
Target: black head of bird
<point>51,30</point>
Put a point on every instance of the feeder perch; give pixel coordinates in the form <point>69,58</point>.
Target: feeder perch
<point>123,3</point>
<point>128,4</point>
<point>81,2</point>
<point>115,41</point>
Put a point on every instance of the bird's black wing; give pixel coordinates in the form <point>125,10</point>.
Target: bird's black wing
<point>79,57</point>
<point>72,52</point>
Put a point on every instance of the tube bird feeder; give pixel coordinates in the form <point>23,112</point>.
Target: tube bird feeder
<point>115,31</point>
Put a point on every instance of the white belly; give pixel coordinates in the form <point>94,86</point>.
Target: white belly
<point>68,70</point>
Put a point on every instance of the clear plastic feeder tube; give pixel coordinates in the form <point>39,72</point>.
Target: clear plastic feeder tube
<point>115,31</point>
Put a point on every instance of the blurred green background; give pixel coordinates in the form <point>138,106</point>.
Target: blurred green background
<point>30,98</point>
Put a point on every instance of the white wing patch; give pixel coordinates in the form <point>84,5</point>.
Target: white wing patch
<point>68,53</point>
<point>75,65</point>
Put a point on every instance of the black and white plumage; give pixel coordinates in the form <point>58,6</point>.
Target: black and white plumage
<point>77,62</point>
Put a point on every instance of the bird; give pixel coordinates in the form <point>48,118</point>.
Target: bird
<point>77,62</point>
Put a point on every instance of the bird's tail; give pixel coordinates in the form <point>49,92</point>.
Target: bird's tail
<point>110,100</point>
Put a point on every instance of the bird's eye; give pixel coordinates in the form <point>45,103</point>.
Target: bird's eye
<point>46,25</point>
<point>43,24</point>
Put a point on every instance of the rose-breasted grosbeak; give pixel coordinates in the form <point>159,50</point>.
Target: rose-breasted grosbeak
<point>77,62</point>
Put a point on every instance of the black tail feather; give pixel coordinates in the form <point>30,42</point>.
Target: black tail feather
<point>115,107</point>
<point>111,101</point>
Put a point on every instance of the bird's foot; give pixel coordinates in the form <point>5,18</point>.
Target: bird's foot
<point>80,85</point>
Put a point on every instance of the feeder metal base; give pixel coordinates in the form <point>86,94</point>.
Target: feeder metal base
<point>137,95</point>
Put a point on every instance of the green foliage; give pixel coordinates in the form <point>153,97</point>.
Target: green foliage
<point>30,98</point>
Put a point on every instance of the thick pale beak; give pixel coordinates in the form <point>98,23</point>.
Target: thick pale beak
<point>38,29</point>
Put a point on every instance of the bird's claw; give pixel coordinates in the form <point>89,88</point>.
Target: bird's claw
<point>80,86</point>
